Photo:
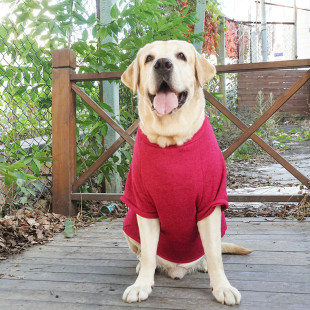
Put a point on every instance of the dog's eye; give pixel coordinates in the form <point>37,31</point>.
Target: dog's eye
<point>181,56</point>
<point>149,58</point>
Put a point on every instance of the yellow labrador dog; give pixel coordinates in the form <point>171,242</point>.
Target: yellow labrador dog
<point>176,187</point>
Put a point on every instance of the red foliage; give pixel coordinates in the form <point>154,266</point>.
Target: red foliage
<point>210,44</point>
<point>210,27</point>
<point>231,40</point>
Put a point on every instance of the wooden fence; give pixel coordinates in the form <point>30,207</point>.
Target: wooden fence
<point>273,81</point>
<point>65,181</point>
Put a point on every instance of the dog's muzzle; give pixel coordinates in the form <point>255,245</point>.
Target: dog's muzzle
<point>166,100</point>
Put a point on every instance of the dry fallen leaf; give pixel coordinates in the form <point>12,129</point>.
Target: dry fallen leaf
<point>26,227</point>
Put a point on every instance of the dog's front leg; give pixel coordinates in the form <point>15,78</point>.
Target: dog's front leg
<point>149,236</point>
<point>210,234</point>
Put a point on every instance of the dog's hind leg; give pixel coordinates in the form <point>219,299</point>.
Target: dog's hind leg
<point>202,267</point>
<point>133,245</point>
<point>136,249</point>
<point>138,268</point>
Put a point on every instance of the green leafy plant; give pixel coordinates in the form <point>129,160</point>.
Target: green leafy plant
<point>16,179</point>
<point>283,139</point>
<point>300,134</point>
<point>245,151</point>
<point>262,104</point>
<point>28,36</point>
<point>14,173</point>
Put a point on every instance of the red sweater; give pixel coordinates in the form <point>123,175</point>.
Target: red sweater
<point>180,185</point>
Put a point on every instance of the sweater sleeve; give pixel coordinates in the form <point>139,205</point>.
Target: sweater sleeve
<point>137,198</point>
<point>216,189</point>
<point>218,198</point>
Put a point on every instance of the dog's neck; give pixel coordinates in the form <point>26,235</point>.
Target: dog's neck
<point>174,129</point>
<point>164,141</point>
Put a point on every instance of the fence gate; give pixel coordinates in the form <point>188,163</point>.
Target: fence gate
<point>65,182</point>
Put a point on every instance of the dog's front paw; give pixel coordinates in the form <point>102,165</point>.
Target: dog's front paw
<point>227,295</point>
<point>137,292</point>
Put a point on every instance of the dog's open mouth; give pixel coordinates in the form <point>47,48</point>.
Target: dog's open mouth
<point>166,101</point>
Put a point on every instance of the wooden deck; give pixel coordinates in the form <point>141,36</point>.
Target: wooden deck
<point>92,270</point>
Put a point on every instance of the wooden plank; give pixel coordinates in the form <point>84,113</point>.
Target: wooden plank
<point>103,76</point>
<point>120,242</point>
<point>292,251</point>
<point>252,302</point>
<point>44,262</point>
<point>231,198</point>
<point>234,223</point>
<point>106,297</point>
<point>63,134</point>
<point>154,303</point>
<point>256,245</point>
<point>300,63</point>
<point>293,258</point>
<point>249,282</point>
<point>265,198</point>
<point>30,271</point>
<point>24,304</point>
<point>95,196</point>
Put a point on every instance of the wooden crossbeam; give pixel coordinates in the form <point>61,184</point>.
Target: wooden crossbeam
<point>261,66</point>
<point>94,76</point>
<point>231,198</point>
<point>104,157</point>
<point>103,114</point>
<point>258,66</point>
<point>283,162</point>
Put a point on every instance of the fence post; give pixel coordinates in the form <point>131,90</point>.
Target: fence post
<point>63,132</point>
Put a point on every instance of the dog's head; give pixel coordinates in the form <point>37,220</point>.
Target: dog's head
<point>167,75</point>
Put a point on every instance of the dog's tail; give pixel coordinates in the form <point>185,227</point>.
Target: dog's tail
<point>231,248</point>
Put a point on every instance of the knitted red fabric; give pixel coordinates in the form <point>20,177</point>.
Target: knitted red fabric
<point>180,185</point>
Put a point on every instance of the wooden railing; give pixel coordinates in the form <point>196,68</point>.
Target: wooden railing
<point>65,181</point>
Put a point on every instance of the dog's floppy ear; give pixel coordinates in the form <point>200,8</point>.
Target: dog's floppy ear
<point>204,70</point>
<point>130,77</point>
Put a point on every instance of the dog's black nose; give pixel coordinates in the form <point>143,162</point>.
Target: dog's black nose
<point>163,65</point>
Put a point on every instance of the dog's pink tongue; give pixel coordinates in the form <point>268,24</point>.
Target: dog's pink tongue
<point>164,103</point>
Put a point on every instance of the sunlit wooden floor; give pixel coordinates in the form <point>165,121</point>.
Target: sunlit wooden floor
<point>92,270</point>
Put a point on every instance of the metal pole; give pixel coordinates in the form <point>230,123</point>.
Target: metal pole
<point>199,26</point>
<point>264,30</point>
<point>221,58</point>
<point>295,31</point>
<point>241,45</point>
<point>111,97</point>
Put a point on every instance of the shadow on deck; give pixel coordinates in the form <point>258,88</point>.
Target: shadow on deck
<point>92,270</point>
